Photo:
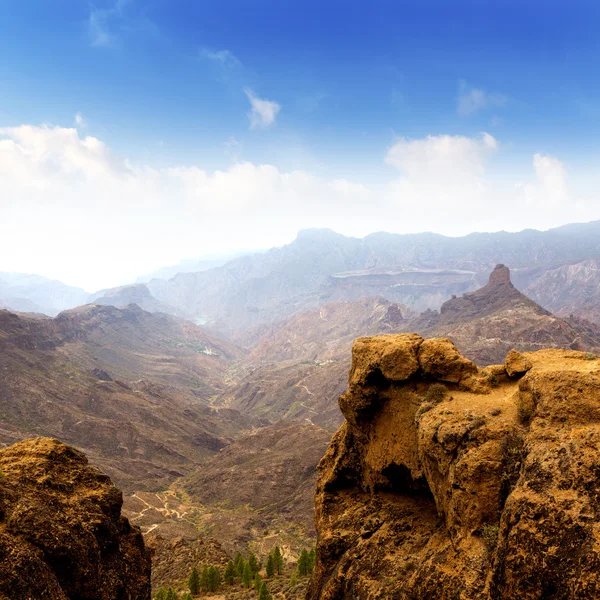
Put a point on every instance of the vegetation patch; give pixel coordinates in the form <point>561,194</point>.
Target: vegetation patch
<point>489,533</point>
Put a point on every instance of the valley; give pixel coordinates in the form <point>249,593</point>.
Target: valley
<point>214,432</point>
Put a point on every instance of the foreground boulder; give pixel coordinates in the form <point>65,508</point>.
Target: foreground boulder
<point>449,482</point>
<point>62,536</point>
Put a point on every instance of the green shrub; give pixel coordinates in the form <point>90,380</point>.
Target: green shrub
<point>493,379</point>
<point>489,533</point>
<point>436,393</point>
<point>590,356</point>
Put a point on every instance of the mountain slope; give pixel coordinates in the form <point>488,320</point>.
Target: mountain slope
<point>570,289</point>
<point>143,432</point>
<point>296,369</point>
<point>487,323</point>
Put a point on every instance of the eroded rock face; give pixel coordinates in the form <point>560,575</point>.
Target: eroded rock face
<point>488,490</point>
<point>62,536</point>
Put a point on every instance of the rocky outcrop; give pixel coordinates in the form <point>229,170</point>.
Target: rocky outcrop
<point>487,323</point>
<point>62,535</point>
<point>447,481</point>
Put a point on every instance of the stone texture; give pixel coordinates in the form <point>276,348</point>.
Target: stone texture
<point>459,499</point>
<point>62,536</point>
<point>439,359</point>
<point>516,364</point>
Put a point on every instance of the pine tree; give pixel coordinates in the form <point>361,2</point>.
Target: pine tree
<point>312,559</point>
<point>257,583</point>
<point>303,563</point>
<point>237,561</point>
<point>239,567</point>
<point>264,592</point>
<point>293,580</point>
<point>254,565</point>
<point>194,582</point>
<point>270,566</point>
<point>213,579</point>
<point>171,595</point>
<point>247,576</point>
<point>161,594</point>
<point>187,596</point>
<point>278,560</point>
<point>229,573</point>
<point>204,583</point>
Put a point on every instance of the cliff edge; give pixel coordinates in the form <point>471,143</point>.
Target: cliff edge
<point>449,481</point>
<point>62,536</point>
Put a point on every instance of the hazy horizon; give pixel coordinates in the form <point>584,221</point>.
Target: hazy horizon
<point>160,134</point>
<point>138,278</point>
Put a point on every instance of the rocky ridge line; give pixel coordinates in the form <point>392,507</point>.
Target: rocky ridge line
<point>484,488</point>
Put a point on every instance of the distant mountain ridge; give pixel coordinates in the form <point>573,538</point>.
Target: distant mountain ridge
<point>419,270</point>
<point>32,293</point>
<point>557,268</point>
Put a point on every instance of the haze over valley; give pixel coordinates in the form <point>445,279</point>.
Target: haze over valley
<point>299,300</point>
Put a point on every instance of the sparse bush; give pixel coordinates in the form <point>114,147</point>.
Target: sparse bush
<point>194,582</point>
<point>489,533</point>
<point>476,423</point>
<point>493,379</point>
<point>590,356</point>
<point>436,393</point>
<point>264,592</point>
<point>409,566</point>
<point>524,410</point>
<point>512,453</point>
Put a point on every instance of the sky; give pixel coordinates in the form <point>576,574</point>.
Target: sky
<point>136,133</point>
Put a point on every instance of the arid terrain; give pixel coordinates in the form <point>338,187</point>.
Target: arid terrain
<point>213,433</point>
<point>489,492</point>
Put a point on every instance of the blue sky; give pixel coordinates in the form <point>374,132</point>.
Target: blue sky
<point>170,84</point>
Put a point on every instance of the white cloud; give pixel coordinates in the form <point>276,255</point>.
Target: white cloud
<point>263,112</point>
<point>472,100</point>
<point>550,188</point>
<point>73,210</point>
<point>222,57</point>
<point>80,121</point>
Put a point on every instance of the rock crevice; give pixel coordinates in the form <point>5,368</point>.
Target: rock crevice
<point>449,481</point>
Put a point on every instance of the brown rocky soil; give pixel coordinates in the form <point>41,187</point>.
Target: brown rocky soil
<point>486,488</point>
<point>62,535</point>
<point>62,378</point>
<point>296,369</point>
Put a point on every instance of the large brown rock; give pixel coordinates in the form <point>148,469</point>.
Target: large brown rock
<point>473,496</point>
<point>516,364</point>
<point>440,359</point>
<point>62,536</point>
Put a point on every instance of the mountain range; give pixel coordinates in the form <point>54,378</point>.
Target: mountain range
<point>211,396</point>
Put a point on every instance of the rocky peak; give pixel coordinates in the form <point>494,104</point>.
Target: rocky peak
<point>62,535</point>
<point>498,294</point>
<point>444,476</point>
<point>500,276</point>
